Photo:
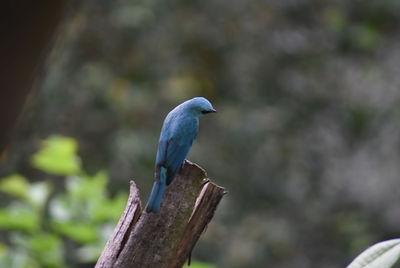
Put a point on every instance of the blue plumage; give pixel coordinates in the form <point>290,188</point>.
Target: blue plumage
<point>177,135</point>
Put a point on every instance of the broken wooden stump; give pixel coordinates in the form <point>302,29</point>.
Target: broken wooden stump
<point>166,238</point>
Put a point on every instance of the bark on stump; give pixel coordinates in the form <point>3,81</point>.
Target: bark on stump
<point>164,239</point>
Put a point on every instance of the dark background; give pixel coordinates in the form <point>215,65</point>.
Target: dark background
<point>306,138</point>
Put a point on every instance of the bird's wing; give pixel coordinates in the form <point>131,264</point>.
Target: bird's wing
<point>161,152</point>
<point>170,155</point>
<point>176,152</point>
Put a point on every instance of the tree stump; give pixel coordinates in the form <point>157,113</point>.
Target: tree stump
<point>164,239</point>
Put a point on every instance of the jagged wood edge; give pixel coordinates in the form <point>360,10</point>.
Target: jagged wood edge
<point>163,239</point>
<point>121,232</point>
<point>206,204</point>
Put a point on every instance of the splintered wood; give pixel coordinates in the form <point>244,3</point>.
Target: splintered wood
<point>164,239</point>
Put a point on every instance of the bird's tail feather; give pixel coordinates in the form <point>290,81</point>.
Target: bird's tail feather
<point>157,192</point>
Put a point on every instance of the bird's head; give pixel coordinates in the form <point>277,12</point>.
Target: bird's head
<point>199,106</point>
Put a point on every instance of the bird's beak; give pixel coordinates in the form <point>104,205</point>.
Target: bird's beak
<point>209,111</point>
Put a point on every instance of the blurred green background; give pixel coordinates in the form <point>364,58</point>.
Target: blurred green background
<point>306,138</point>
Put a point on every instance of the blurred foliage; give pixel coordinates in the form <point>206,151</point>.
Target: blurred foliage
<point>40,221</point>
<point>306,138</point>
<point>197,264</point>
<point>57,156</point>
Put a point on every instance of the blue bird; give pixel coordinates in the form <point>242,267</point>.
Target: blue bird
<point>177,134</point>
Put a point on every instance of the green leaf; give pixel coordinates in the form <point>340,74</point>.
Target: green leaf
<point>47,249</point>
<point>15,185</point>
<point>87,187</point>
<point>58,156</point>
<point>36,193</point>
<point>383,254</point>
<point>79,232</point>
<point>15,258</point>
<point>197,264</point>
<point>19,217</point>
<point>3,250</point>
<point>87,198</point>
<point>108,209</point>
<point>38,249</point>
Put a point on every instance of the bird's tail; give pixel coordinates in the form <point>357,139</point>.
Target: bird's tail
<point>157,192</point>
